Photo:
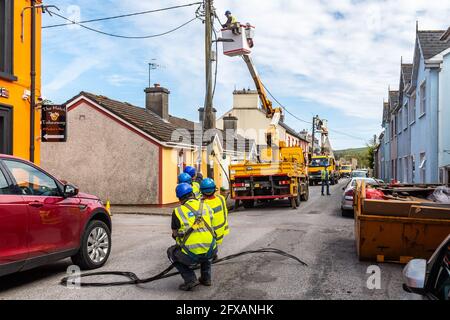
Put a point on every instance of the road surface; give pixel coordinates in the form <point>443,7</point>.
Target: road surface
<point>316,233</point>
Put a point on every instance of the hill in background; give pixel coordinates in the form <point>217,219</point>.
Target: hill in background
<point>361,154</point>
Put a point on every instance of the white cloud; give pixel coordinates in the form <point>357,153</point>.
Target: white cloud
<point>302,51</point>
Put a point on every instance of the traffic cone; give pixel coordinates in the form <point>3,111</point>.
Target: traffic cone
<point>108,207</point>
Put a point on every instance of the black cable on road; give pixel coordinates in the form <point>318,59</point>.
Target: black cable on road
<point>123,15</point>
<point>135,280</point>
<point>122,36</point>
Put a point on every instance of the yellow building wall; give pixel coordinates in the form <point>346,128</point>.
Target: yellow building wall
<point>171,170</point>
<point>21,63</point>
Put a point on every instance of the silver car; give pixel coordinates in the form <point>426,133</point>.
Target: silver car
<point>347,197</point>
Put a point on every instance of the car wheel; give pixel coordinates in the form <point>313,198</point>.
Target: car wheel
<point>248,204</point>
<point>95,246</point>
<point>347,213</point>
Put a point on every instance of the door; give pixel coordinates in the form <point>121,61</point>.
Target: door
<point>5,130</point>
<point>13,224</point>
<point>54,221</point>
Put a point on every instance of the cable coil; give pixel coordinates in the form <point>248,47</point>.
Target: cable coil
<point>135,280</point>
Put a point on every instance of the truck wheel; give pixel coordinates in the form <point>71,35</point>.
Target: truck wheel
<point>95,246</point>
<point>248,204</point>
<point>297,200</point>
<point>293,202</point>
<point>305,196</point>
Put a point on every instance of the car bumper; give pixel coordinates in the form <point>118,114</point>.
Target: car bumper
<point>347,205</point>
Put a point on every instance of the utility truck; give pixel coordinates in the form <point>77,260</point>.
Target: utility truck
<point>281,172</point>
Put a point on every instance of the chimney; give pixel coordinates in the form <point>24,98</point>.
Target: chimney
<point>157,100</point>
<point>230,123</point>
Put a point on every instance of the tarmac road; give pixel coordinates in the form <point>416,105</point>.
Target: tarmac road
<point>316,233</point>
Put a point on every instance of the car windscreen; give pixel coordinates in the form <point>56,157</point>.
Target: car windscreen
<point>346,168</point>
<point>359,174</point>
<point>321,162</point>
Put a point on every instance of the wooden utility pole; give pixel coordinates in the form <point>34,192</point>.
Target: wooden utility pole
<point>314,134</point>
<point>209,121</point>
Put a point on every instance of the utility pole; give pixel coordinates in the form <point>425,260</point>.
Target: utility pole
<point>313,134</point>
<point>209,121</point>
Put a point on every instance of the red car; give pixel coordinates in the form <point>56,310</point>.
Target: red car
<point>43,220</point>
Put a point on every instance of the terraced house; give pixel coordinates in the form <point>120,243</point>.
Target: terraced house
<point>19,117</point>
<point>415,119</point>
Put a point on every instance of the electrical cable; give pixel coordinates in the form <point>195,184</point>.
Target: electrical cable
<point>135,280</point>
<point>123,15</point>
<point>122,36</point>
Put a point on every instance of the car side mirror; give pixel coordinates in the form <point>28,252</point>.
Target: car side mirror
<point>414,276</point>
<point>70,191</point>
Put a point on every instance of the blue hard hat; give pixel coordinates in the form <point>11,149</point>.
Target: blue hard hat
<point>208,186</point>
<point>227,12</point>
<point>190,171</point>
<point>183,190</point>
<point>184,178</point>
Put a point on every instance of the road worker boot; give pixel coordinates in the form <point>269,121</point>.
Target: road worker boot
<point>205,282</point>
<point>188,286</point>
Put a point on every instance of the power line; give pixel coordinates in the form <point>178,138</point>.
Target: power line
<point>309,122</point>
<point>122,36</point>
<point>122,16</point>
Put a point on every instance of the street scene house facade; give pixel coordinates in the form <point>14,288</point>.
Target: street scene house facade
<point>415,139</point>
<point>132,155</point>
<point>253,123</point>
<point>16,137</point>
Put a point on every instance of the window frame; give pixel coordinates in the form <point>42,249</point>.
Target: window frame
<point>423,98</point>
<point>7,65</point>
<point>406,115</point>
<point>413,107</point>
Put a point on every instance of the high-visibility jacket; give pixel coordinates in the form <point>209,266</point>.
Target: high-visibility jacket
<point>231,21</point>
<point>196,190</point>
<point>325,175</point>
<point>196,234</point>
<point>220,223</point>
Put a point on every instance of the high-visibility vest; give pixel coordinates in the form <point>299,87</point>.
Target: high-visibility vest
<point>325,174</point>
<point>220,222</point>
<point>233,20</point>
<point>196,190</point>
<point>199,237</point>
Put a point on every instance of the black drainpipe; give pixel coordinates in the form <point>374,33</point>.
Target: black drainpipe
<point>33,79</point>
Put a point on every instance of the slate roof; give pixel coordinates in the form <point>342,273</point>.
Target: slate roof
<point>407,70</point>
<point>393,99</point>
<point>433,42</point>
<point>144,119</point>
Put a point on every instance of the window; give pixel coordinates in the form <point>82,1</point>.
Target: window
<point>5,130</point>
<point>406,116</point>
<point>413,107</point>
<point>4,187</point>
<point>31,181</point>
<point>392,129</point>
<point>413,168</point>
<point>423,99</point>
<point>6,38</point>
<point>422,167</point>
<point>400,122</point>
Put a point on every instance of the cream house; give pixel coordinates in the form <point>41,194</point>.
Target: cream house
<point>252,123</point>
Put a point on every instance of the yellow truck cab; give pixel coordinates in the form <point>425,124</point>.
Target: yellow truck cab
<point>345,171</point>
<point>319,163</point>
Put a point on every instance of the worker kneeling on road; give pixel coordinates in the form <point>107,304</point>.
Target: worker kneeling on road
<point>192,228</point>
<point>219,206</point>
<point>186,178</point>
<point>194,180</point>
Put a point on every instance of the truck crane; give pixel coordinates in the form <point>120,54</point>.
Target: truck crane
<point>281,172</point>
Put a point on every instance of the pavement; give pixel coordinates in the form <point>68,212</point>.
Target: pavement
<point>315,232</point>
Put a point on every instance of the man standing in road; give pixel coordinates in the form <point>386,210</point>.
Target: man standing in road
<point>325,177</point>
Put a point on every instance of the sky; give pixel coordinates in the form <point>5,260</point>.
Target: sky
<point>335,59</point>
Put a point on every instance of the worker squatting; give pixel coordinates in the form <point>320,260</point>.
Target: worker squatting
<point>199,225</point>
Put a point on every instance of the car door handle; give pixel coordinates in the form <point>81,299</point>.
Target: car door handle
<point>36,204</point>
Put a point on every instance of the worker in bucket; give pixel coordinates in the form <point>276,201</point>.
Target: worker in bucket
<point>192,228</point>
<point>232,23</point>
<point>192,172</point>
<point>325,179</point>
<point>219,206</point>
